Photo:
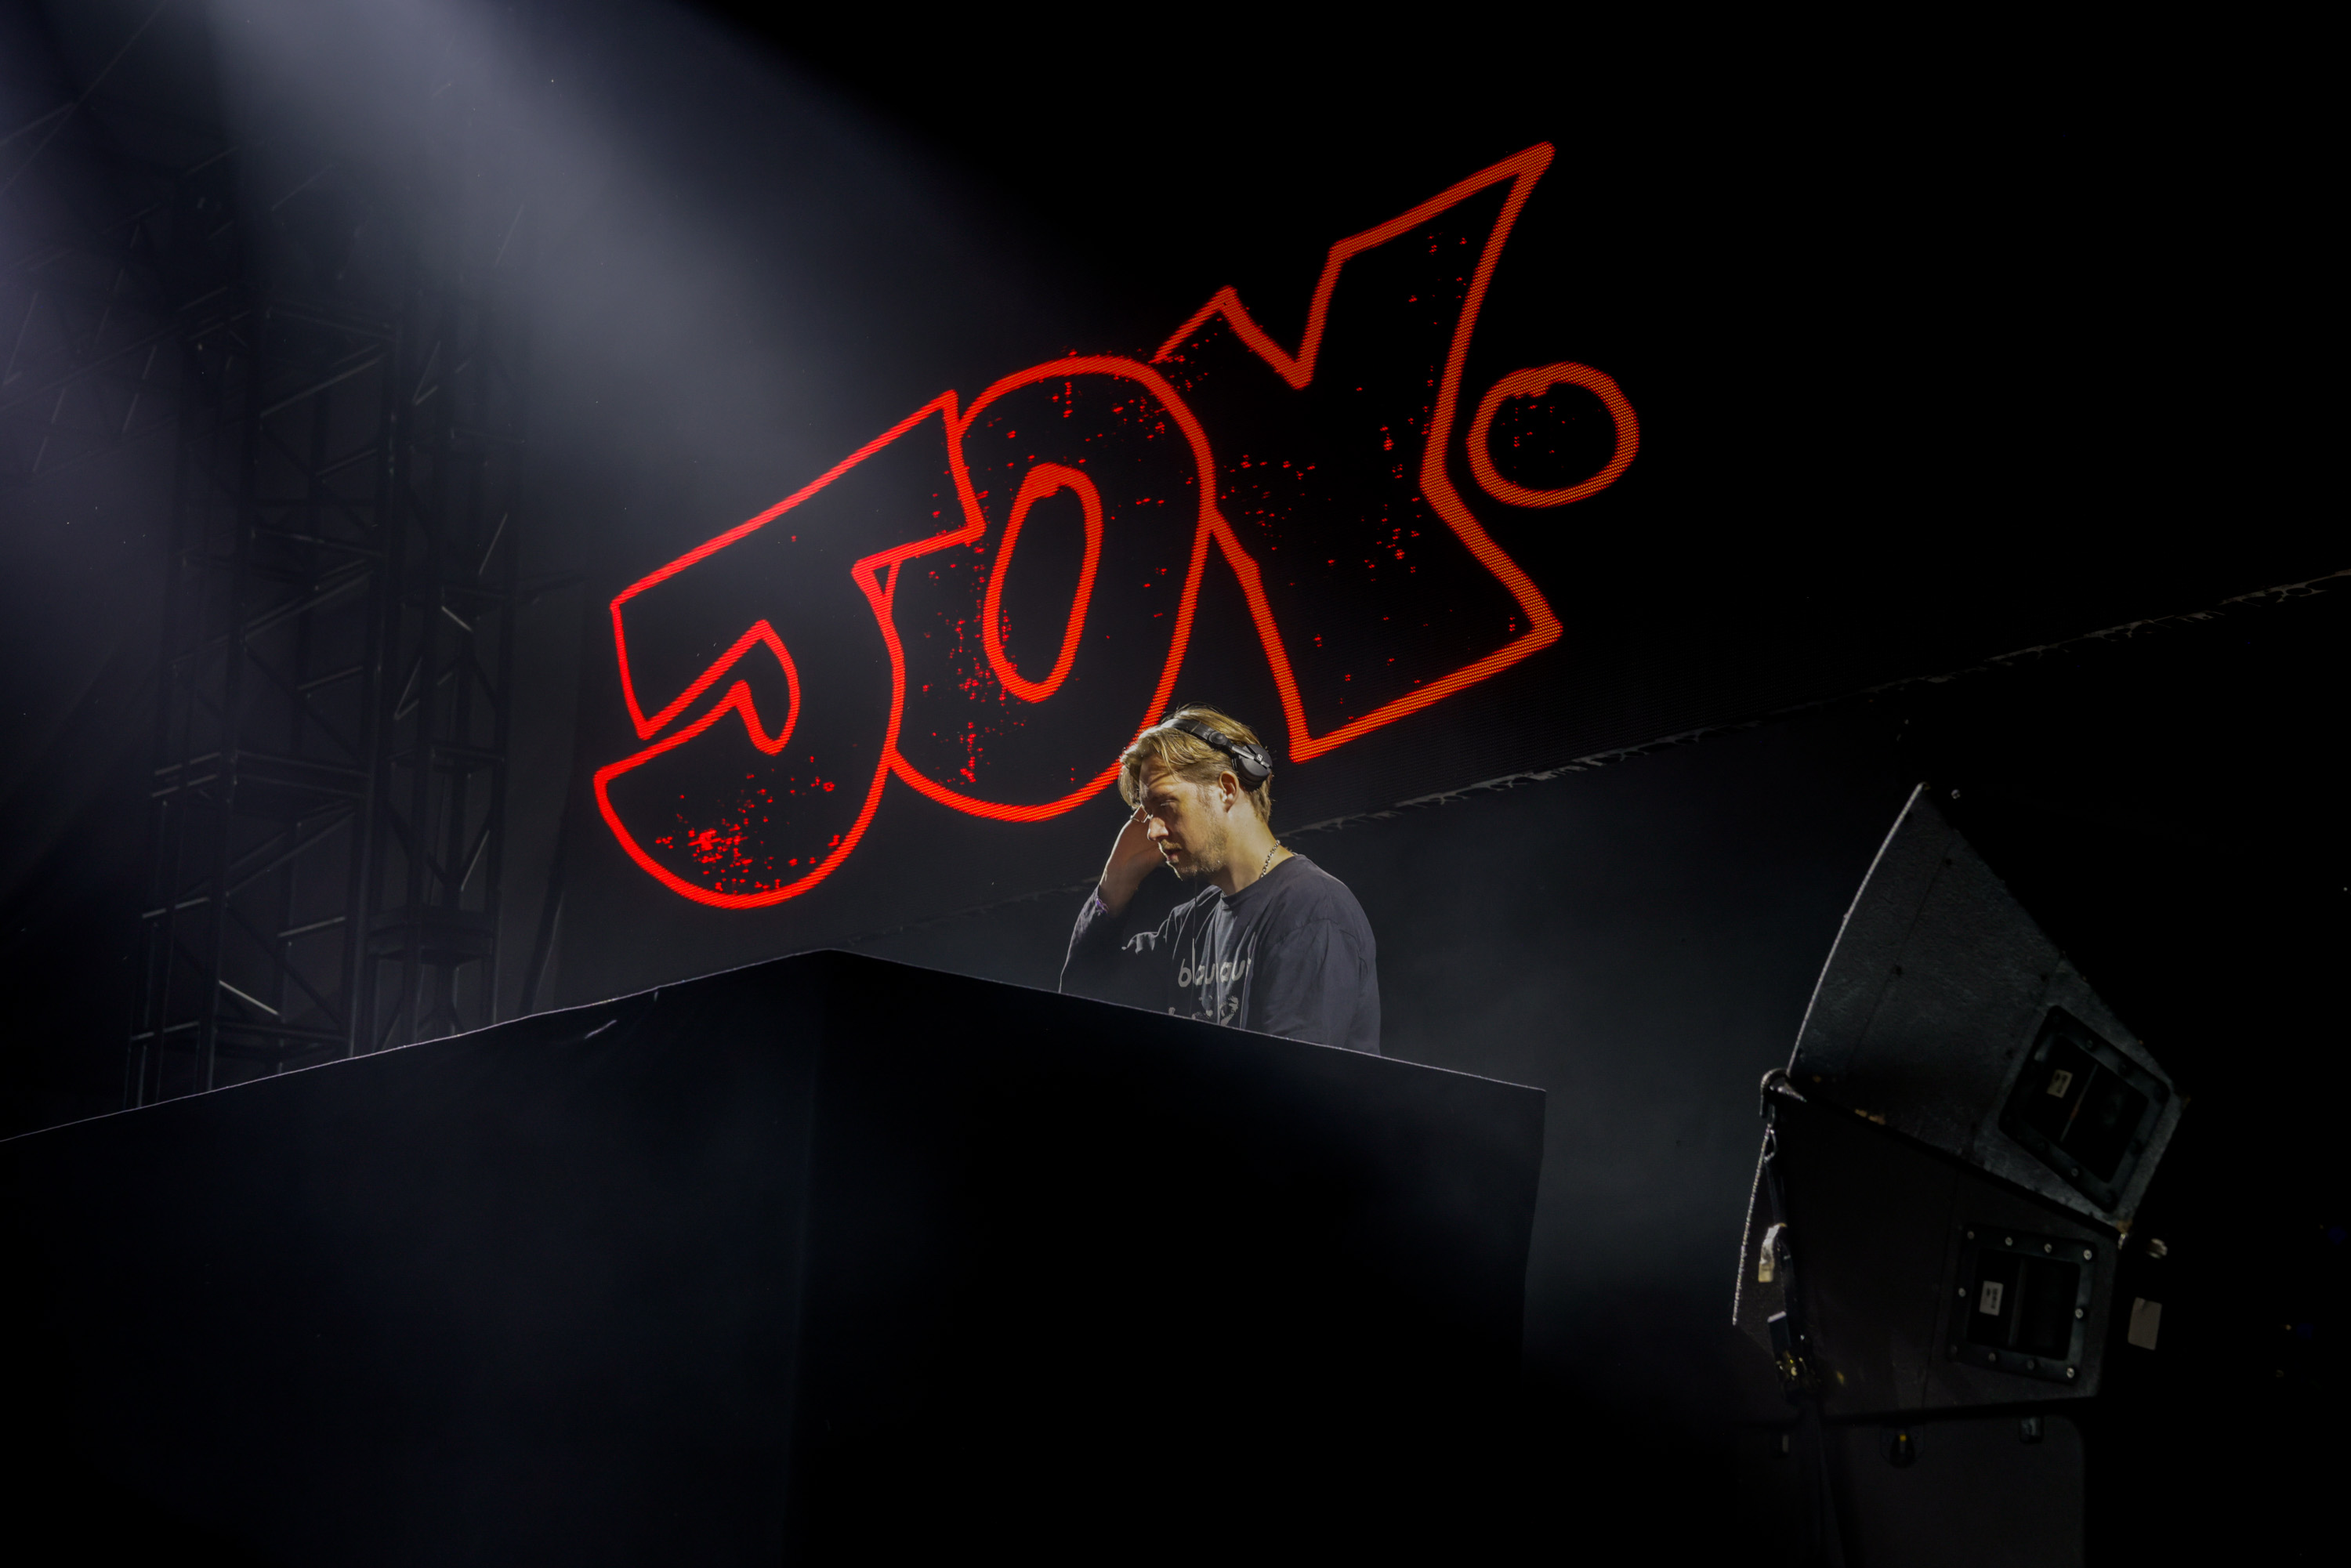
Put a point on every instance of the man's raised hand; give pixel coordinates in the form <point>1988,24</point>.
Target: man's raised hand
<point>1131,858</point>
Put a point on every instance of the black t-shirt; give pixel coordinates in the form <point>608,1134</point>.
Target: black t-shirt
<point>1291,955</point>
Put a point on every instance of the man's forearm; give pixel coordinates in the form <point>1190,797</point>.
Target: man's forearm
<point>1090,966</point>
<point>1116,892</point>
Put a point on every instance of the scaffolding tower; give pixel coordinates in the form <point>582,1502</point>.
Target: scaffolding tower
<point>334,681</point>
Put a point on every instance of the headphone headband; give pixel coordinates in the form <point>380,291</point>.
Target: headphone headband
<point>1251,762</point>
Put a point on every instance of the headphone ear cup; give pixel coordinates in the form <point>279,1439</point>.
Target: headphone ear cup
<point>1252,762</point>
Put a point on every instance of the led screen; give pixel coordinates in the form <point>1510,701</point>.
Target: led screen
<point>985,601</point>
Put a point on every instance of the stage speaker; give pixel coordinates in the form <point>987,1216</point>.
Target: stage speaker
<point>1920,1282</point>
<point>1951,1162</point>
<point>1947,1015</point>
<point>1963,1491</point>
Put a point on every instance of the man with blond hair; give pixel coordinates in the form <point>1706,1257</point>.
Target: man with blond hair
<point>1271,942</point>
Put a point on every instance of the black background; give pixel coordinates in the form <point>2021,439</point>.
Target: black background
<point>1946,345</point>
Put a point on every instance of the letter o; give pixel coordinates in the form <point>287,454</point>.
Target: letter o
<point>1534,383</point>
<point>1043,480</point>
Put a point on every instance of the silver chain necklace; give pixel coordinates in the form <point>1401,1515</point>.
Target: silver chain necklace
<point>1268,857</point>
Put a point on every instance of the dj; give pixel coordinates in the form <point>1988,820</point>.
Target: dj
<point>1271,942</point>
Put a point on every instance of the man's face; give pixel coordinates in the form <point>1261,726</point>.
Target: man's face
<point>1185,821</point>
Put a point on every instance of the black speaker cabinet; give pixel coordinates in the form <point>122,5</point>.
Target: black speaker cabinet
<point>1958,1491</point>
<point>1946,1014</point>
<point>1926,1285</point>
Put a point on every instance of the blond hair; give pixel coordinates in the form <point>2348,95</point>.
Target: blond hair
<point>1189,757</point>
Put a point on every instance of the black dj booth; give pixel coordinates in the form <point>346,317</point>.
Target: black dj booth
<point>827,1259</point>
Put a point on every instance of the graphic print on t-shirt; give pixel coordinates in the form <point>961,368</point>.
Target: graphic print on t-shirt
<point>1219,985</point>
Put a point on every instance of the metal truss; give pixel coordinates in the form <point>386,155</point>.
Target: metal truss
<point>431,949</point>
<point>270,699</point>
<point>335,683</point>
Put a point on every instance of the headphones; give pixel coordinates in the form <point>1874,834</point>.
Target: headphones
<point>1251,763</point>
